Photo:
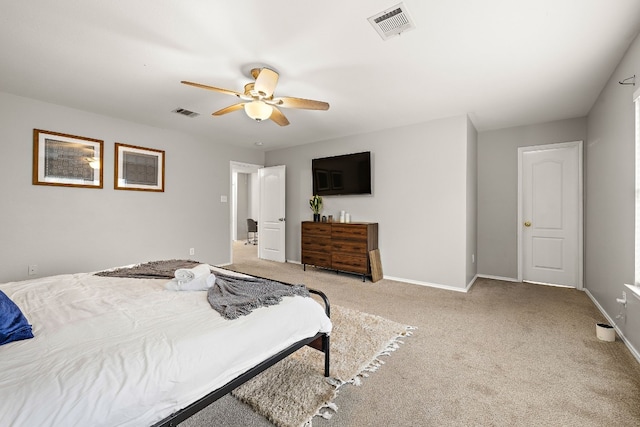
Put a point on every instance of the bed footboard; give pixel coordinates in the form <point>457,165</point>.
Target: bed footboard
<point>320,342</point>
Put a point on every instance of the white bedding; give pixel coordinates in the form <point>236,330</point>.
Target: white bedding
<point>127,352</point>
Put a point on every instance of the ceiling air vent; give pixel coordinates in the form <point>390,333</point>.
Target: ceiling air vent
<point>185,112</point>
<point>392,22</point>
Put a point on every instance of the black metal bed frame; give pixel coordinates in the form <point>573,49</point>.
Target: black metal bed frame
<point>320,342</point>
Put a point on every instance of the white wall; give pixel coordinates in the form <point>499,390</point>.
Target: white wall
<point>78,229</point>
<point>498,189</point>
<point>420,197</point>
<point>610,188</point>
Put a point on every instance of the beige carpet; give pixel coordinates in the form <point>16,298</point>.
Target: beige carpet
<point>503,354</point>
<point>290,393</point>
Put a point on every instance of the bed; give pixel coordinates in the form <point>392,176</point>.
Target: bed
<point>125,351</point>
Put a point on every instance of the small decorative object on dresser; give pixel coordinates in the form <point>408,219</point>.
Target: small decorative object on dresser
<point>339,246</point>
<point>316,206</point>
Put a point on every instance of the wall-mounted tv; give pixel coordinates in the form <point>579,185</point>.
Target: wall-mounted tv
<point>342,175</point>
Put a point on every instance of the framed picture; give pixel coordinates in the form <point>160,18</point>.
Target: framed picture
<point>66,160</point>
<point>138,168</point>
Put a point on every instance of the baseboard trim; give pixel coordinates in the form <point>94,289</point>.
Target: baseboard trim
<point>624,339</point>
<point>471,283</point>
<point>428,284</point>
<point>504,279</point>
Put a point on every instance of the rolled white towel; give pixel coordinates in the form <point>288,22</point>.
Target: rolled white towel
<point>200,283</point>
<point>187,274</point>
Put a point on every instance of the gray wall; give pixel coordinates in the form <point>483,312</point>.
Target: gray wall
<point>472,203</point>
<point>610,197</point>
<point>498,189</point>
<point>242,205</point>
<point>78,229</point>
<point>247,202</point>
<point>421,193</point>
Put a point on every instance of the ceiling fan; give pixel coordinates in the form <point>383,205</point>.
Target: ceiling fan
<point>258,100</point>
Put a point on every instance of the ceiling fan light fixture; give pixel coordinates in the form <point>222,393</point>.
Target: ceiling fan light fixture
<point>258,99</point>
<point>258,110</point>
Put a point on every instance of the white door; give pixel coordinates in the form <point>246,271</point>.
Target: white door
<point>271,223</point>
<point>550,214</point>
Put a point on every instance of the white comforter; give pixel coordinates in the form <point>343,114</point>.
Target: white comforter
<point>126,352</point>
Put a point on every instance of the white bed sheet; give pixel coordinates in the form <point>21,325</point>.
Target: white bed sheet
<point>126,352</point>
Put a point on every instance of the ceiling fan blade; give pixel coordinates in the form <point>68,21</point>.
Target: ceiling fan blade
<point>306,104</point>
<point>266,82</point>
<point>216,89</point>
<point>278,117</point>
<point>229,109</point>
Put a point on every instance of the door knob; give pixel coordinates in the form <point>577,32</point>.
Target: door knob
<point>527,223</point>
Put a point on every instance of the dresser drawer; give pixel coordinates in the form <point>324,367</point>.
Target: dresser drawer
<point>353,263</point>
<point>349,231</point>
<point>317,258</point>
<point>316,243</point>
<point>349,246</point>
<point>322,229</point>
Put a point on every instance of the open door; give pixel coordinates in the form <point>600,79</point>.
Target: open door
<point>271,224</point>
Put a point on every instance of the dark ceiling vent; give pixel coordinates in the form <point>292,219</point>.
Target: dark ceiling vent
<point>185,112</point>
<point>391,22</point>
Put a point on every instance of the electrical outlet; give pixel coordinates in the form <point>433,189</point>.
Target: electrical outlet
<point>33,270</point>
<point>473,258</point>
<point>192,251</point>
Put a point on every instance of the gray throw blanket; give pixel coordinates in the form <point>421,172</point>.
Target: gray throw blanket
<point>151,270</point>
<point>230,296</point>
<point>233,297</point>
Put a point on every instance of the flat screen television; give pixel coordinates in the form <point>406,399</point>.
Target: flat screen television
<point>342,175</point>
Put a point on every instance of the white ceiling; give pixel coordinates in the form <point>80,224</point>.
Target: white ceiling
<point>502,62</point>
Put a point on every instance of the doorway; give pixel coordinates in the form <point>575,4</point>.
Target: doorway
<point>245,203</point>
<point>258,193</point>
<point>550,214</point>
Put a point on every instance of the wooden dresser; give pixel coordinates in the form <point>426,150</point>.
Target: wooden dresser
<point>339,246</point>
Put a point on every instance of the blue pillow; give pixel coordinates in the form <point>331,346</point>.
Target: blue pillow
<point>13,324</point>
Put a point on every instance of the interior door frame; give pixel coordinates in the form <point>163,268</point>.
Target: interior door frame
<point>580,219</point>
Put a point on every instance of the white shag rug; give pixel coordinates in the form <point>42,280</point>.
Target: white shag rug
<point>292,392</point>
